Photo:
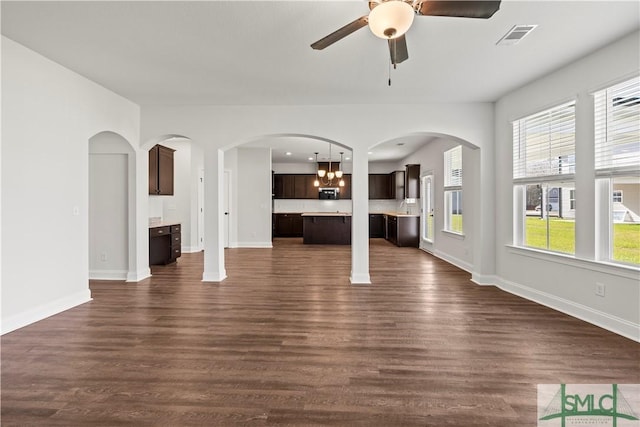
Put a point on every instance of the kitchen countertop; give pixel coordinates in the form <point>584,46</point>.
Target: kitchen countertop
<point>400,214</point>
<point>326,214</point>
<point>162,224</point>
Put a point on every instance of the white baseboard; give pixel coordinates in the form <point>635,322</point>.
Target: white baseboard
<point>136,276</point>
<point>189,249</point>
<point>453,260</point>
<point>265,245</point>
<point>596,317</point>
<point>214,276</point>
<point>108,275</point>
<point>360,279</point>
<point>484,279</point>
<point>43,311</point>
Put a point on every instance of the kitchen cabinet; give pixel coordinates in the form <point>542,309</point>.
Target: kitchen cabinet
<point>303,187</point>
<point>376,225</point>
<point>287,225</point>
<point>345,192</point>
<point>300,186</point>
<point>326,228</point>
<point>403,230</point>
<point>161,171</point>
<point>379,187</point>
<point>396,185</point>
<point>412,182</point>
<point>283,186</point>
<point>165,244</point>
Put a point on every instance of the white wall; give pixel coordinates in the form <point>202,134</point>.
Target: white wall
<point>254,197</point>
<point>567,283</point>
<point>108,222</point>
<point>48,115</point>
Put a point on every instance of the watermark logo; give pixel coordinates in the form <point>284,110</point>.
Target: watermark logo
<point>562,405</point>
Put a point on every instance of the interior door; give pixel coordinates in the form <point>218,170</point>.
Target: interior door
<point>227,190</point>
<point>201,210</point>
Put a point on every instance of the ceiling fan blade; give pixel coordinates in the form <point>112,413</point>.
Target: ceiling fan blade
<point>398,50</point>
<point>341,33</point>
<point>459,8</point>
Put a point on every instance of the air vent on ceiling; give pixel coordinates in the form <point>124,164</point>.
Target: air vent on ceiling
<point>515,34</point>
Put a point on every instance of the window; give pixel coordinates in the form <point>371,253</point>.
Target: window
<point>543,174</point>
<point>572,199</point>
<point>427,207</point>
<point>453,190</point>
<point>617,164</point>
<point>617,196</point>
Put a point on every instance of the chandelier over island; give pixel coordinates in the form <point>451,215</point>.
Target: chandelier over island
<point>326,177</point>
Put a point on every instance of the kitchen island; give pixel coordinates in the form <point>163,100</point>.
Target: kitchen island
<point>326,228</point>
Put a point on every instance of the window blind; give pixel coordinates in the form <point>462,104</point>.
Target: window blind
<point>544,143</point>
<point>617,128</point>
<point>453,167</point>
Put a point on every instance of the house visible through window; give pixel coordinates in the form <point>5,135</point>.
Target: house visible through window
<point>543,175</point>
<point>617,196</point>
<point>617,164</point>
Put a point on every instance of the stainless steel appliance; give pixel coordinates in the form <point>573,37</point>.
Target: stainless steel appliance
<point>328,193</point>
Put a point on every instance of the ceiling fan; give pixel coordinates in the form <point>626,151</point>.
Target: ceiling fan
<point>390,20</point>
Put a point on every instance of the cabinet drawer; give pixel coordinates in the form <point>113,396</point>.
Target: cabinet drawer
<point>159,231</point>
<point>176,252</point>
<point>176,239</point>
<point>175,228</point>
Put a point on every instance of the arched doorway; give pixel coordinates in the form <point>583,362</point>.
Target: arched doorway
<point>111,201</point>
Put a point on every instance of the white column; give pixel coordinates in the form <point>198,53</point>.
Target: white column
<point>360,218</point>
<point>213,216</point>
<point>139,262</point>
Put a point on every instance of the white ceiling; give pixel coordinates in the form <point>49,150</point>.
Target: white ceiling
<point>254,52</point>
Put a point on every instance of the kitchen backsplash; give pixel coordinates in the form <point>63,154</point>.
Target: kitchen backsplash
<point>309,205</point>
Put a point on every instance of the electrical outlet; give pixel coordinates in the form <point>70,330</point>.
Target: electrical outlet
<point>600,289</point>
<point>103,256</point>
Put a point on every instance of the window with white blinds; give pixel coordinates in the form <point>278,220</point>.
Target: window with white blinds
<point>544,144</point>
<point>453,167</point>
<point>617,128</point>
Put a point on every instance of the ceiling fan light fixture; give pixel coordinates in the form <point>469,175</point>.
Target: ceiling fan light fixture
<point>391,19</point>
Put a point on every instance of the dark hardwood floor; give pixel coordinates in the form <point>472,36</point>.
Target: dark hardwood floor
<point>287,340</point>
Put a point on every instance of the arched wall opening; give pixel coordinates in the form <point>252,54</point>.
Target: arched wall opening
<point>466,249</point>
<point>112,177</point>
<point>186,205</point>
<point>249,165</point>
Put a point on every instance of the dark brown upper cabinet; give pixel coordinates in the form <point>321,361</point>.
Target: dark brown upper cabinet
<point>161,171</point>
<point>396,183</point>
<point>300,186</point>
<point>379,186</point>
<point>412,182</point>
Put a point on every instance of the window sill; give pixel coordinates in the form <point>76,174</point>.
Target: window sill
<point>621,270</point>
<point>454,234</point>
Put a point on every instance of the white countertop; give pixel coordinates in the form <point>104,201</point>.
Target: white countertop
<point>162,224</point>
<point>326,214</point>
<point>400,214</point>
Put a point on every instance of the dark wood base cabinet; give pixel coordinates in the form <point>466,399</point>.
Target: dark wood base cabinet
<point>326,230</point>
<point>376,225</point>
<point>403,230</point>
<point>287,225</point>
<point>165,244</point>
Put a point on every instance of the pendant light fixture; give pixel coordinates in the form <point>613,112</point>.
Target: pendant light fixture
<point>329,174</point>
